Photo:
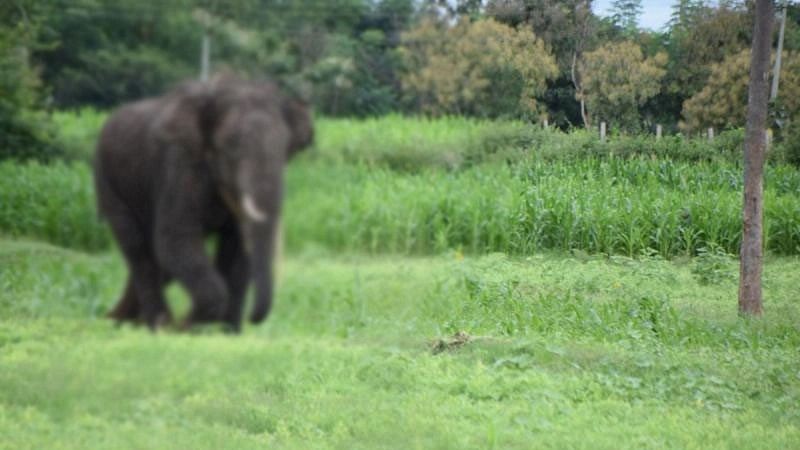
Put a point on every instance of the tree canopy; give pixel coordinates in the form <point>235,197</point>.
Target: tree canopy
<point>487,58</point>
<point>475,67</point>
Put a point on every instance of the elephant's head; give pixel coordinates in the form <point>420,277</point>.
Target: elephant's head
<point>250,131</point>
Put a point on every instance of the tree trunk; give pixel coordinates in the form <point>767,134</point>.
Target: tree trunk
<point>754,153</point>
<point>579,90</point>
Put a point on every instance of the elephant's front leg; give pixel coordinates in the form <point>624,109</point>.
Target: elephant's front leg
<point>181,252</point>
<point>182,209</point>
<point>233,265</point>
<point>180,249</point>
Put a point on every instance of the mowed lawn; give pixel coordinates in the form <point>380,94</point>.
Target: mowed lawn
<point>550,351</point>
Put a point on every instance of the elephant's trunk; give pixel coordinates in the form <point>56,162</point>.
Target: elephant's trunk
<point>261,267</point>
<point>260,207</point>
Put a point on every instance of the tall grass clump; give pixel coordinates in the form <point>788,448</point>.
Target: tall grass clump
<point>610,206</point>
<point>78,131</point>
<point>414,143</point>
<point>419,186</point>
<point>53,202</point>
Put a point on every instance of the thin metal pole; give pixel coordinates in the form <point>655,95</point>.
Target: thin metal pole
<point>205,56</point>
<point>776,72</point>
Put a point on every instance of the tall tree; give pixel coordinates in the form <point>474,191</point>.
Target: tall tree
<point>751,257</point>
<point>452,9</point>
<point>625,14</point>
<point>482,68</point>
<point>722,103</point>
<point>683,13</point>
<point>25,130</point>
<point>699,37</point>
<point>567,29</point>
<point>618,79</point>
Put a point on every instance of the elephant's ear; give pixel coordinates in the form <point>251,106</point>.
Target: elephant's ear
<point>187,119</point>
<point>207,112</point>
<point>298,115</point>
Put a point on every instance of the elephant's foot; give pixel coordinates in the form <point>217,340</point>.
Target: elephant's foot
<point>126,310</point>
<point>161,319</point>
<point>210,313</point>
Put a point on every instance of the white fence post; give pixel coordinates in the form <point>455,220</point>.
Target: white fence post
<point>658,131</point>
<point>711,134</point>
<point>602,131</point>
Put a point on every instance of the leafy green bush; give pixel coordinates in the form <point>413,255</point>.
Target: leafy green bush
<point>414,143</point>
<point>110,76</point>
<point>789,148</point>
<point>411,144</point>
<point>25,132</point>
<point>725,147</point>
<point>713,265</point>
<point>78,131</point>
<point>53,202</point>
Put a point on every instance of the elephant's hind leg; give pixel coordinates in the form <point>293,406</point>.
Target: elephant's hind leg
<point>143,298</point>
<point>127,308</point>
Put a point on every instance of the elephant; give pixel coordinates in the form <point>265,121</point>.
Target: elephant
<point>204,159</point>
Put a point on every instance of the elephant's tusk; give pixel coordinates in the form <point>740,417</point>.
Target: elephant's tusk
<point>251,210</point>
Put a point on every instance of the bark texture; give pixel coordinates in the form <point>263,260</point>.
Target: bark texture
<point>751,256</point>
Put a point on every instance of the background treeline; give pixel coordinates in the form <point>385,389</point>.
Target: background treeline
<point>521,59</point>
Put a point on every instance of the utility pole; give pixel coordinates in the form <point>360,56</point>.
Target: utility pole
<point>205,55</point>
<point>203,17</point>
<point>776,72</point>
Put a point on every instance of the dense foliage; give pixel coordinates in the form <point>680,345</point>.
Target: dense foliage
<point>722,102</point>
<point>619,80</point>
<point>476,68</point>
<point>526,59</point>
<point>24,128</point>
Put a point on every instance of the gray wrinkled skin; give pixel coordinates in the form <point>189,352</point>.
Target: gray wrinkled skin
<point>203,159</point>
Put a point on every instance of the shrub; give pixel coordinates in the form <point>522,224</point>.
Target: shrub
<point>53,202</point>
<point>78,131</point>
<point>25,133</point>
<point>713,265</point>
<point>789,148</point>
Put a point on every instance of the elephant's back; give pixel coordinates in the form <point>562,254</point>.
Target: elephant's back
<point>126,161</point>
<point>126,129</point>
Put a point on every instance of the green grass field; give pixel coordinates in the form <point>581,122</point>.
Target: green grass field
<point>547,351</point>
<point>463,284</point>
